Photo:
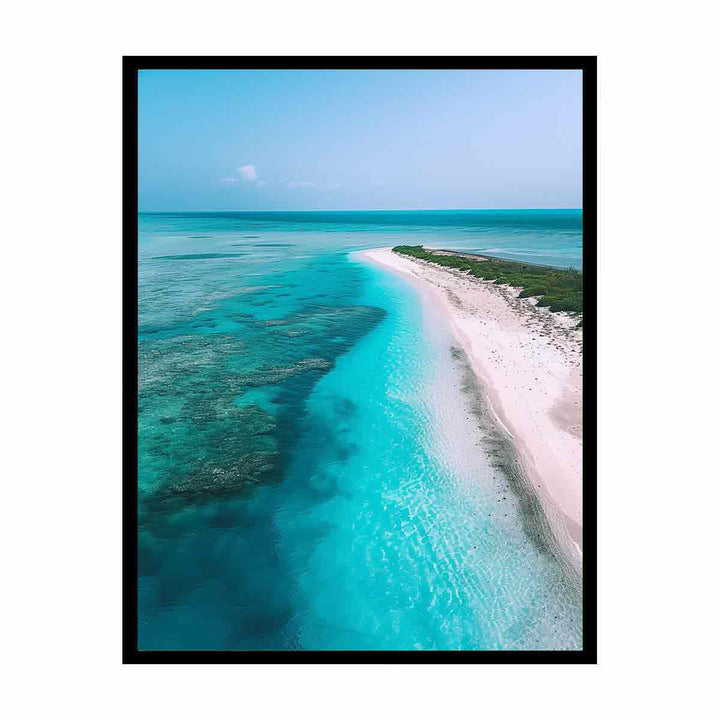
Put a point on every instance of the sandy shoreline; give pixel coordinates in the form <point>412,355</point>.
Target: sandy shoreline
<point>530,363</point>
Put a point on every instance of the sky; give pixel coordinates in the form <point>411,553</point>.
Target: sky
<point>359,139</point>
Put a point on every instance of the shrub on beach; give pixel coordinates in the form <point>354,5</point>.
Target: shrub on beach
<point>560,290</point>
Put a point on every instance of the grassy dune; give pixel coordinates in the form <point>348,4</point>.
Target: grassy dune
<point>558,290</point>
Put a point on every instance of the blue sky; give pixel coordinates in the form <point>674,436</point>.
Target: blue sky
<point>359,140</point>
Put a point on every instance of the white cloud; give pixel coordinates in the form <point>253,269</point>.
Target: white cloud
<point>303,184</point>
<point>248,172</point>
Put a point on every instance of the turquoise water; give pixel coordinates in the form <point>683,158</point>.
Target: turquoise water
<point>318,469</point>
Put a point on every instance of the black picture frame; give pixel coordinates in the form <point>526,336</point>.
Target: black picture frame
<point>131,66</point>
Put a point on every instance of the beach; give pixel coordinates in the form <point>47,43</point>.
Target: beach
<point>529,362</point>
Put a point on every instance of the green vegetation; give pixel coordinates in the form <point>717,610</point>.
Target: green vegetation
<point>559,290</point>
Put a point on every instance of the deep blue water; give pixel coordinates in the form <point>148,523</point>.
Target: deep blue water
<point>317,468</point>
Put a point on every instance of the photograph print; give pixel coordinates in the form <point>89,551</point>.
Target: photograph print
<point>359,373</point>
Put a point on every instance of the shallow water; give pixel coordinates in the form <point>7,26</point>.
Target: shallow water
<point>317,466</point>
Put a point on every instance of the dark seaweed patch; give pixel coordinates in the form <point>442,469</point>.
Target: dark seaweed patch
<point>199,256</point>
<point>263,245</point>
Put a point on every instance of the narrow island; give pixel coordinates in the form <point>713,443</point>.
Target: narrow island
<point>520,326</point>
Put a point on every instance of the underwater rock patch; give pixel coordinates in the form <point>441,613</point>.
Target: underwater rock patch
<point>196,441</point>
<point>214,479</point>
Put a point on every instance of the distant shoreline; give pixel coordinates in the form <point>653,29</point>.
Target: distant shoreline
<point>529,360</point>
<point>474,256</point>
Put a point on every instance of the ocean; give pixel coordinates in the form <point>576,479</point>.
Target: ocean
<point>317,467</point>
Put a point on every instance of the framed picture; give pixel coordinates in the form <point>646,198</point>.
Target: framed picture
<point>359,359</point>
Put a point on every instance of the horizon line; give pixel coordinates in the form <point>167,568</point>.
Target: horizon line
<point>148,212</point>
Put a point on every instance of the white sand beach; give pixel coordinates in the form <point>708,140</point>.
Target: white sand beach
<point>529,361</point>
